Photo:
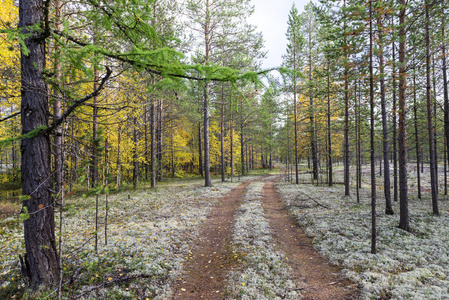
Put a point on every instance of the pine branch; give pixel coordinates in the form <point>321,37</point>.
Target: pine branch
<point>162,70</point>
<point>79,102</point>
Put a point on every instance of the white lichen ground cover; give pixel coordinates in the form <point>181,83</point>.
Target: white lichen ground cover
<point>149,232</point>
<point>407,265</point>
<point>263,272</point>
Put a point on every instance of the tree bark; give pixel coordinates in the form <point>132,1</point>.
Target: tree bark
<point>445,91</point>
<point>395,153</point>
<point>387,186</point>
<point>222,136</point>
<point>135,155</point>
<point>372,153</point>
<point>415,119</point>
<point>329,133</point>
<point>153,142</point>
<point>402,130</point>
<point>433,179</point>
<point>346,133</point>
<point>41,264</point>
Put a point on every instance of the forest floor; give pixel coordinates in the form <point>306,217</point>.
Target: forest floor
<point>259,237</point>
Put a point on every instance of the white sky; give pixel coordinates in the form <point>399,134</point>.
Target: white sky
<point>270,17</point>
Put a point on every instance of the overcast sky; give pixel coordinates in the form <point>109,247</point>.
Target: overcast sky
<point>270,16</point>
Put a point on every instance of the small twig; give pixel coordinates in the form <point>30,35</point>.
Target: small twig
<point>310,198</point>
<point>120,279</point>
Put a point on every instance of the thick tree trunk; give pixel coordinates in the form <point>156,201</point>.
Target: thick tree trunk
<point>402,136</point>
<point>41,264</point>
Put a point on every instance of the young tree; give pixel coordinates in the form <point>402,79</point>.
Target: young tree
<point>293,59</point>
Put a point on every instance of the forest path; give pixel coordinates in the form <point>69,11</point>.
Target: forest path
<point>320,279</point>
<point>205,271</point>
<point>204,275</point>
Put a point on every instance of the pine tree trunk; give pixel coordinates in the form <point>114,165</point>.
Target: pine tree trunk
<point>395,153</point>
<point>232,146</point>
<point>329,133</point>
<point>119,162</point>
<point>153,142</point>
<point>222,136</point>
<point>372,156</point>
<point>415,118</point>
<point>445,92</point>
<point>433,179</point>
<point>387,186</point>
<point>295,110</point>
<point>57,110</point>
<point>357,135</point>
<point>41,264</point>
<point>346,134</point>
<point>135,160</point>
<point>402,136</point>
<point>160,154</point>
<point>147,155</point>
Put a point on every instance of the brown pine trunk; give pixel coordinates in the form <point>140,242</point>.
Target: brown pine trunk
<point>415,119</point>
<point>160,154</point>
<point>346,134</point>
<point>147,155</point>
<point>372,153</point>
<point>153,142</point>
<point>433,179</point>
<point>135,160</point>
<point>329,133</point>
<point>222,136</point>
<point>395,155</point>
<point>402,136</point>
<point>446,97</point>
<point>387,186</point>
<point>119,161</point>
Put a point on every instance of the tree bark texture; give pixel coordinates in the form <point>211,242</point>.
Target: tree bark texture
<point>433,179</point>
<point>402,130</point>
<point>41,259</point>
<point>387,185</point>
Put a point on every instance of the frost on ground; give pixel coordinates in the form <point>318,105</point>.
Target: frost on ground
<point>150,234</point>
<point>411,265</point>
<point>263,273</point>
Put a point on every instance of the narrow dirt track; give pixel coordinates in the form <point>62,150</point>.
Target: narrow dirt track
<point>321,280</point>
<point>205,271</point>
